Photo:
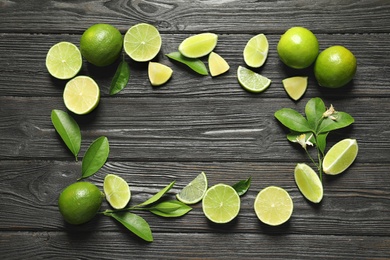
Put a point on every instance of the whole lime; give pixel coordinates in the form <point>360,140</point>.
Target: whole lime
<point>298,48</point>
<point>101,44</point>
<point>335,67</point>
<point>79,202</point>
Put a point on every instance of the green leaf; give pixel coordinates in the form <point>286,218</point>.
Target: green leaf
<point>121,78</point>
<point>134,223</point>
<point>68,129</point>
<point>158,195</point>
<point>293,120</point>
<point>242,186</point>
<point>170,209</point>
<point>195,64</point>
<point>342,120</point>
<point>95,157</point>
<point>321,142</point>
<point>314,110</point>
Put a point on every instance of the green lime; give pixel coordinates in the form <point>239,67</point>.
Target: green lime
<point>256,51</point>
<point>158,73</point>
<point>295,86</point>
<point>117,191</point>
<point>194,191</point>
<point>198,45</point>
<point>340,156</point>
<point>217,64</point>
<point>335,67</point>
<point>63,60</point>
<point>79,202</point>
<point>308,182</point>
<point>251,80</point>
<point>142,42</point>
<point>101,44</point>
<point>298,48</point>
<point>221,203</point>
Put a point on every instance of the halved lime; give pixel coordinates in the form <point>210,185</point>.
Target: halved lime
<point>273,206</point>
<point>63,60</point>
<point>221,203</point>
<point>198,45</point>
<point>256,51</point>
<point>295,86</point>
<point>81,95</point>
<point>340,156</point>
<point>251,80</point>
<point>117,191</point>
<point>142,42</point>
<point>308,182</point>
<point>158,73</point>
<point>217,64</point>
<point>194,191</point>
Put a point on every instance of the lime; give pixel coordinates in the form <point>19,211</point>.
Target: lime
<point>158,73</point>
<point>251,80</point>
<point>63,60</point>
<point>101,44</point>
<point>81,95</point>
<point>295,86</point>
<point>198,45</point>
<point>273,205</point>
<point>308,182</point>
<point>194,191</point>
<point>221,203</point>
<point>217,64</point>
<point>298,48</point>
<point>79,202</point>
<point>335,67</point>
<point>117,191</point>
<point>256,51</point>
<point>340,156</point>
<point>142,42</point>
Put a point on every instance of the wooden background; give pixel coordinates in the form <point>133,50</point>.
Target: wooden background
<point>192,124</point>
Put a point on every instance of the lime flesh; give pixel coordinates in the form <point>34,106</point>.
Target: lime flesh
<point>340,156</point>
<point>251,80</point>
<point>256,51</point>
<point>308,182</point>
<point>194,191</point>
<point>158,73</point>
<point>295,87</point>
<point>117,191</point>
<point>217,64</point>
<point>198,45</point>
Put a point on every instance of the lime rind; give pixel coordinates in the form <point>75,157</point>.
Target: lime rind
<point>340,156</point>
<point>308,183</point>
<point>198,45</point>
<point>117,191</point>
<point>256,51</point>
<point>252,81</point>
<point>194,191</point>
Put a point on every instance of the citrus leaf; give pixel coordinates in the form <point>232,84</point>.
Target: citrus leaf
<point>158,195</point>
<point>121,78</point>
<point>342,120</point>
<point>293,120</point>
<point>321,141</point>
<point>170,209</point>
<point>242,186</point>
<point>134,223</point>
<point>95,157</point>
<point>68,129</point>
<point>314,110</point>
<point>195,64</point>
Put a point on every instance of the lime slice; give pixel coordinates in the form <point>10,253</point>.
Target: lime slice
<point>221,203</point>
<point>198,45</point>
<point>308,182</point>
<point>63,60</point>
<point>142,42</point>
<point>340,156</point>
<point>158,73</point>
<point>295,86</point>
<point>251,80</point>
<point>256,51</point>
<point>217,64</point>
<point>117,191</point>
<point>194,191</point>
<point>273,206</point>
<point>81,95</point>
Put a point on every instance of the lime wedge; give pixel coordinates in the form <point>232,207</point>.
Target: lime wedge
<point>142,42</point>
<point>117,191</point>
<point>198,45</point>
<point>273,206</point>
<point>194,191</point>
<point>251,80</point>
<point>340,156</point>
<point>256,51</point>
<point>63,60</point>
<point>217,64</point>
<point>295,86</point>
<point>81,95</point>
<point>221,203</point>
<point>158,73</point>
<point>308,182</point>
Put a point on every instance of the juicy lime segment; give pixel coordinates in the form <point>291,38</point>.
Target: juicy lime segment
<point>158,73</point>
<point>256,51</point>
<point>117,191</point>
<point>198,45</point>
<point>251,80</point>
<point>295,87</point>
<point>308,182</point>
<point>217,64</point>
<point>63,60</point>
<point>194,191</point>
<point>340,156</point>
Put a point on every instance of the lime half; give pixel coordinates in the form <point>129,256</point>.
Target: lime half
<point>256,51</point>
<point>251,80</point>
<point>158,73</point>
<point>295,86</point>
<point>198,45</point>
<point>194,191</point>
<point>117,191</point>
<point>308,182</point>
<point>63,60</point>
<point>340,156</point>
<point>217,64</point>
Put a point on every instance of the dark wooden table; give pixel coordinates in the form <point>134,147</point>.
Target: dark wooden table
<point>192,124</point>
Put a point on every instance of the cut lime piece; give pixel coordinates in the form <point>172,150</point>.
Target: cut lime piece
<point>63,60</point>
<point>117,191</point>
<point>158,73</point>
<point>221,203</point>
<point>198,45</point>
<point>273,206</point>
<point>295,86</point>
<point>256,51</point>
<point>251,80</point>
<point>142,42</point>
<point>308,182</point>
<point>340,156</point>
<point>194,191</point>
<point>81,95</point>
<point>217,64</point>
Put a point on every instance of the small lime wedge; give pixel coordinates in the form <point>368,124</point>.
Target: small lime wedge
<point>256,51</point>
<point>340,156</point>
<point>194,191</point>
<point>158,73</point>
<point>251,80</point>
<point>217,64</point>
<point>117,191</point>
<point>308,182</point>
<point>198,45</point>
<point>295,86</point>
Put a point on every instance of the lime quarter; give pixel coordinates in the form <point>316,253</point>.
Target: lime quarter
<point>194,191</point>
<point>340,156</point>
<point>117,191</point>
<point>217,64</point>
<point>158,73</point>
<point>295,87</point>
<point>198,45</point>
<point>308,182</point>
<point>252,81</point>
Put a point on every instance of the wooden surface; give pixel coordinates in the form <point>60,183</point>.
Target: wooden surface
<point>189,125</point>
